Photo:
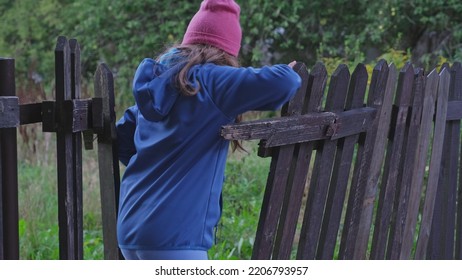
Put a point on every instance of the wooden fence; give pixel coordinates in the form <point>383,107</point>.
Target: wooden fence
<point>69,117</point>
<point>353,181</point>
<point>347,180</point>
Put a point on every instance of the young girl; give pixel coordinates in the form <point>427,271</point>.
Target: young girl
<point>170,197</point>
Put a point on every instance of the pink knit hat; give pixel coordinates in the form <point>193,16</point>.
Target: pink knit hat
<point>217,24</point>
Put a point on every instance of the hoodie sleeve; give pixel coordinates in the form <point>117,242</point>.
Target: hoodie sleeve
<point>125,132</point>
<point>238,90</point>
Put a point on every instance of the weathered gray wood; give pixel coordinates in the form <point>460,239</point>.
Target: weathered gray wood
<point>434,168</point>
<point>348,245</point>
<point>304,128</point>
<point>412,211</point>
<point>108,162</point>
<point>9,111</point>
<point>322,169</point>
<point>286,130</point>
<point>393,157</point>
<point>351,122</point>
<point>341,169</point>
<point>77,119</point>
<point>377,159</point>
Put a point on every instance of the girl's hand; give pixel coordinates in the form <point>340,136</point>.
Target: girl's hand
<point>292,64</point>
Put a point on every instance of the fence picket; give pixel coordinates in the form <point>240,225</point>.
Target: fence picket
<point>377,160</point>
<point>405,174</point>
<point>276,186</point>
<point>352,226</point>
<point>393,156</point>
<point>443,228</point>
<point>434,168</point>
<point>428,110</point>
<point>341,170</point>
<point>322,168</point>
<point>296,185</point>
<point>108,162</point>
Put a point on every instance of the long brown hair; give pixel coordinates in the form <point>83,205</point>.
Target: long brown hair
<point>195,54</point>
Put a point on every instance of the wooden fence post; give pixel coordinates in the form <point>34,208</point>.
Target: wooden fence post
<point>9,231</point>
<point>66,157</point>
<point>108,162</point>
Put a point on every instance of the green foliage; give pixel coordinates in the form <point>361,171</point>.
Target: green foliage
<point>242,197</point>
<point>122,33</point>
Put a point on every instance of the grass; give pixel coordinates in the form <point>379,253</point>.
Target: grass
<point>242,196</point>
<point>38,210</point>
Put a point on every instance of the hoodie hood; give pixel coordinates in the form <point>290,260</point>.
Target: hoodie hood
<point>153,90</point>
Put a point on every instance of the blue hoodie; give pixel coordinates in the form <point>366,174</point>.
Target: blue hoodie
<point>175,158</point>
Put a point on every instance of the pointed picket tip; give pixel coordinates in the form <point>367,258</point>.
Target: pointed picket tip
<point>407,68</point>
<point>61,43</point>
<point>407,72</point>
<point>300,67</point>
<point>444,77</point>
<point>102,70</point>
<point>357,87</point>
<point>295,105</point>
<point>338,88</point>
<point>342,70</point>
<point>381,65</point>
<point>360,70</point>
<point>444,66</point>
<point>319,69</point>
<point>432,74</point>
<point>444,71</point>
<point>74,45</point>
<point>341,76</point>
<point>405,85</point>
